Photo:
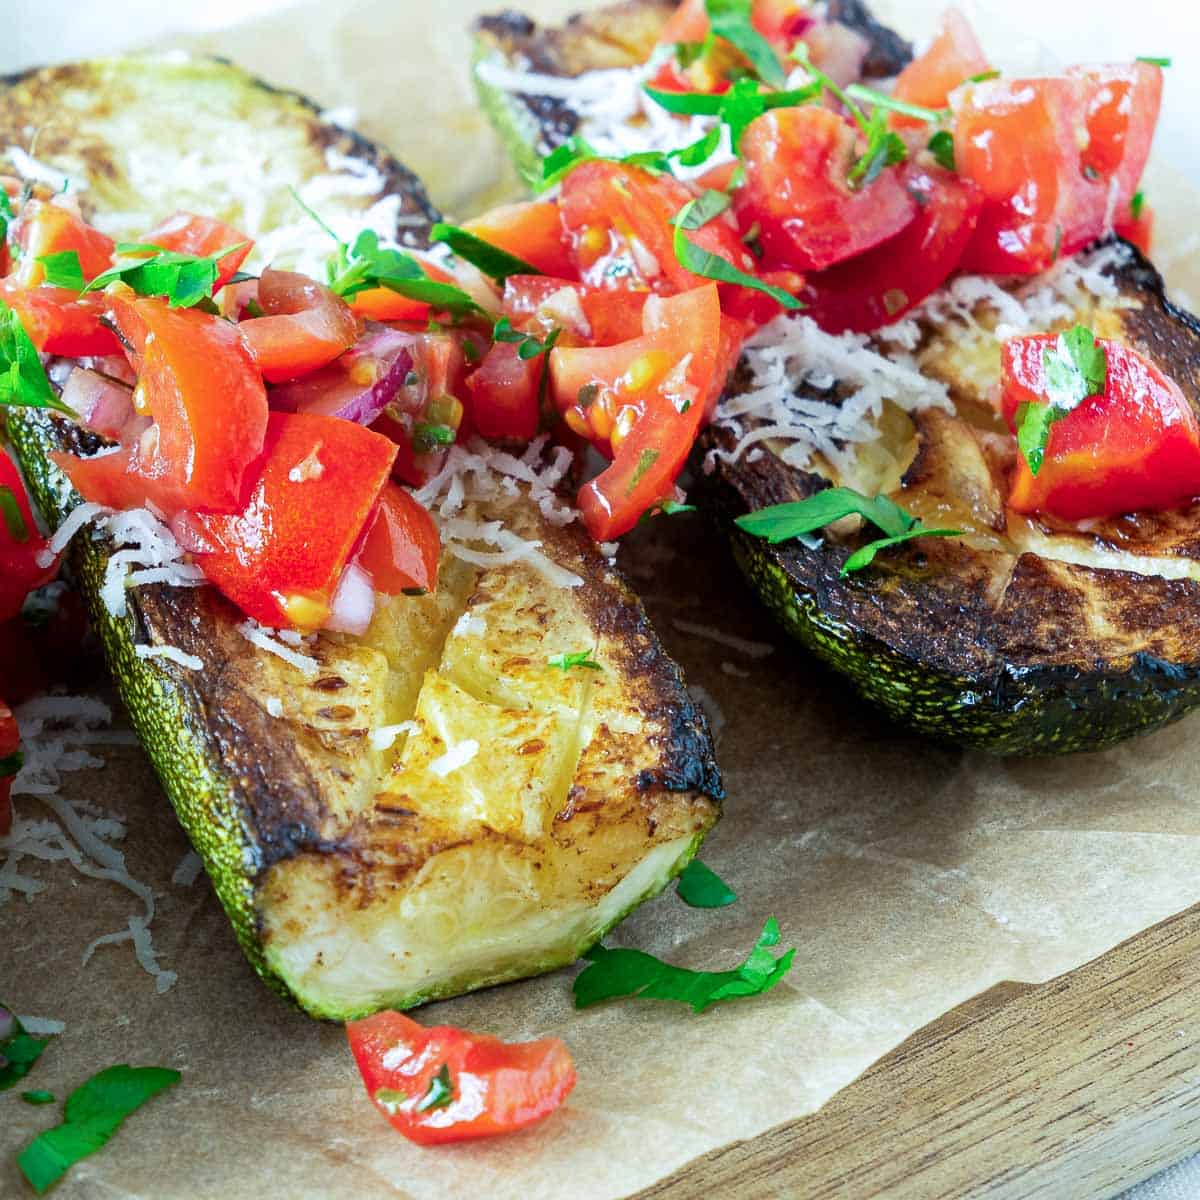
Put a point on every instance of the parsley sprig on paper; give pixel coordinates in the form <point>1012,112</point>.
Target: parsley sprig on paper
<point>782,522</point>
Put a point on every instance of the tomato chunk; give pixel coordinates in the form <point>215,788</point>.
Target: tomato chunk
<point>305,327</point>
<point>281,558</point>
<point>647,398</point>
<point>60,321</point>
<point>797,192</point>
<point>20,543</point>
<point>504,392</point>
<point>953,57</point>
<point>530,230</point>
<point>1137,446</point>
<point>401,548</point>
<point>48,228</point>
<point>10,745</point>
<point>187,233</point>
<point>872,289</point>
<point>619,221</point>
<point>586,315</point>
<point>442,1084</point>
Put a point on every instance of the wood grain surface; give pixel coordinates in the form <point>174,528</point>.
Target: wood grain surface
<point>1079,1087</point>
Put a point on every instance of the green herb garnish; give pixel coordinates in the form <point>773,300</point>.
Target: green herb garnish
<point>645,461</point>
<point>490,259</point>
<point>884,149</point>
<point>10,764</point>
<point>528,346</point>
<point>941,146</point>
<point>877,100</point>
<point>1136,205</point>
<point>183,279</point>
<point>38,1096</point>
<point>6,214</point>
<point>18,1051</point>
<point>14,518</point>
<point>1076,369</point>
<point>730,19</point>
<point>440,1093</point>
<point>712,266</point>
<point>701,887</point>
<point>23,382</point>
<point>1154,62</point>
<point>429,436</point>
<point>92,1114</point>
<point>577,658</point>
<point>621,972</point>
<point>63,270</point>
<point>782,522</point>
<point>391,1099</point>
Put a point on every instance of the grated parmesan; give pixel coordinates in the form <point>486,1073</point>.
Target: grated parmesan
<point>265,639</point>
<point>469,625</point>
<point>747,647</point>
<point>172,654</point>
<point>188,870</point>
<point>455,757</point>
<point>55,734</point>
<point>385,736</point>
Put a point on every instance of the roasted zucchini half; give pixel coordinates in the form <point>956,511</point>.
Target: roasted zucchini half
<point>615,35</point>
<point>521,810</point>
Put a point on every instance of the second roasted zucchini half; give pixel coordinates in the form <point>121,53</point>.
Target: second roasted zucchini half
<point>432,807</point>
<point>1024,636</point>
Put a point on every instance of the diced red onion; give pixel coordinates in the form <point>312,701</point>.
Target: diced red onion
<point>353,602</point>
<point>357,387</point>
<point>104,405</point>
<point>837,50</point>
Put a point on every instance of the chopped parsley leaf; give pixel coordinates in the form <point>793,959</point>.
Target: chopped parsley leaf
<point>38,1096</point>
<point>440,1093</point>
<point>1154,62</point>
<point>701,887</point>
<point>18,1051</point>
<point>490,259</point>
<point>1136,205</point>
<point>528,346</point>
<point>882,100</point>
<point>941,146</point>
<point>184,279</point>
<point>730,19</point>
<point>23,382</point>
<point>782,522</point>
<point>63,270</point>
<point>613,973</point>
<point>577,658</point>
<point>92,1114</point>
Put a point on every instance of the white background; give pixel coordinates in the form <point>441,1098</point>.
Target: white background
<point>1025,35</point>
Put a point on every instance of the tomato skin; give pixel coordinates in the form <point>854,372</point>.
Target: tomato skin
<point>504,394</point>
<point>48,228</point>
<point>10,743</point>
<point>305,327</point>
<point>871,290</point>
<point>673,366</point>
<point>497,1087</point>
<point>19,570</point>
<point>953,57</point>
<point>401,548</point>
<point>531,230</point>
<point>188,233</point>
<point>619,220</point>
<point>1139,230</point>
<point>796,190</point>
<point>1135,447</point>
<point>280,559</point>
<point>60,321</point>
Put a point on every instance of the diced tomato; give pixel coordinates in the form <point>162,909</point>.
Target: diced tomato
<point>1121,105</point>
<point>536,302</point>
<point>281,558</point>
<point>305,326</point>
<point>493,1086</point>
<point>1137,446</point>
<point>382,304</point>
<point>504,393</point>
<point>400,551</point>
<point>48,228</point>
<point>530,230</point>
<point>10,764</point>
<point>647,398</point>
<point>797,163</point>
<point>20,543</point>
<point>781,22</point>
<point>872,289</point>
<point>953,57</point>
<point>209,407</point>
<point>1140,229</point>
<point>187,233</point>
<point>36,654</point>
<point>60,321</point>
<point>619,221</point>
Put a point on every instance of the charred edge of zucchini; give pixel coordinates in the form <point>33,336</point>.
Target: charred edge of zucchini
<point>921,673</point>
<point>167,710</point>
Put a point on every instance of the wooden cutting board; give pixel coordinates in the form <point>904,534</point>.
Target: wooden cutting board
<point>1081,1086</point>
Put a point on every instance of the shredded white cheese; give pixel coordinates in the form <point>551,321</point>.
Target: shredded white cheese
<point>172,654</point>
<point>455,757</point>
<point>55,734</point>
<point>274,706</point>
<point>385,736</point>
<point>30,168</point>
<point>42,1026</point>
<point>469,625</point>
<point>745,646</point>
<point>188,870</point>
<point>265,639</point>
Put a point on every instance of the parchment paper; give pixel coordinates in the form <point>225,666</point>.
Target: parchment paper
<point>909,877</point>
